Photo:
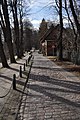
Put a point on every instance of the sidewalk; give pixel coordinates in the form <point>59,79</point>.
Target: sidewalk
<point>9,98</point>
<point>51,93</point>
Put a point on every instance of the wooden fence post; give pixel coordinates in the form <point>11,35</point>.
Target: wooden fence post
<point>14,82</point>
<point>20,72</point>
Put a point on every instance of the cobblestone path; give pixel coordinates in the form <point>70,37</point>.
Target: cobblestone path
<point>49,94</point>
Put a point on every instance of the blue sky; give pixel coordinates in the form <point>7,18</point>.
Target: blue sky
<point>40,9</point>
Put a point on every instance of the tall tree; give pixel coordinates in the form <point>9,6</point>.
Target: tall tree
<point>61,30</point>
<point>72,24</point>
<point>75,16</point>
<point>3,25</point>
<point>16,26</point>
<point>21,26</point>
<point>8,31</point>
<point>60,47</point>
<point>76,20</point>
<point>28,30</point>
<point>35,39</point>
<point>2,54</point>
<point>42,28</point>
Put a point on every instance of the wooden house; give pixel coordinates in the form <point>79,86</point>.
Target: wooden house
<point>50,44</point>
<point>49,41</point>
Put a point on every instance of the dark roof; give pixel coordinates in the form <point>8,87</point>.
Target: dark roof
<point>48,32</point>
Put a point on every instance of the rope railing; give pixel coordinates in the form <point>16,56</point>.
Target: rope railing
<point>13,84</point>
<point>24,88</point>
<point>7,92</point>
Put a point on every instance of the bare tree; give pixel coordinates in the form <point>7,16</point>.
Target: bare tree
<point>16,26</point>
<point>21,26</point>
<point>2,54</point>
<point>8,35</point>
<point>59,10</point>
<point>75,16</point>
<point>77,42</point>
<point>61,30</point>
<point>3,26</point>
<point>28,31</point>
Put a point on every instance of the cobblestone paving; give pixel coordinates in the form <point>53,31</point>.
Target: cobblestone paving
<point>9,98</point>
<point>49,95</point>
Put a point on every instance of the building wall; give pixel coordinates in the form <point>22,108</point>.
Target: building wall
<point>48,48</point>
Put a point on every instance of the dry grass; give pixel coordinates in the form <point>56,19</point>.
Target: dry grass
<point>69,66</point>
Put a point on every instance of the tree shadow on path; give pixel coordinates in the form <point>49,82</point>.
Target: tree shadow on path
<point>65,87</point>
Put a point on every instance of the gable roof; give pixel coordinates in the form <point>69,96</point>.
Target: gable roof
<point>48,32</point>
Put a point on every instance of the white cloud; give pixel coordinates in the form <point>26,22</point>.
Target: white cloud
<point>36,23</point>
<point>41,3</point>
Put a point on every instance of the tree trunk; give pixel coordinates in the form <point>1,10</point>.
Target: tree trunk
<point>8,31</point>
<point>21,30</point>
<point>77,26</point>
<point>75,16</point>
<point>3,25</point>
<point>21,39</point>
<point>61,31</point>
<point>16,28</point>
<point>2,55</point>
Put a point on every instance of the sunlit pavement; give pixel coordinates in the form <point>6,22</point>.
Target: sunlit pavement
<point>51,93</point>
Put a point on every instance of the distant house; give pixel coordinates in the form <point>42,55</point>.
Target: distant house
<point>50,44</point>
<point>49,41</point>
